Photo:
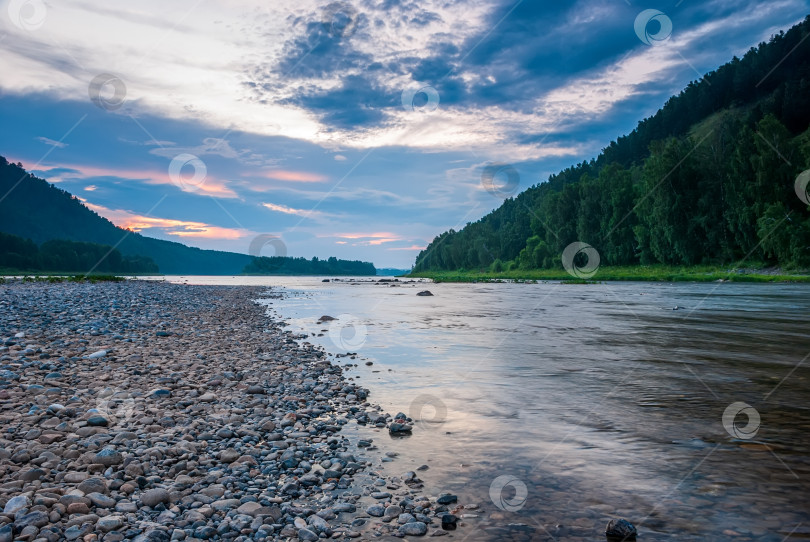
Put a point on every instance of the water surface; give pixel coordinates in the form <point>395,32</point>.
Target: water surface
<point>602,400</point>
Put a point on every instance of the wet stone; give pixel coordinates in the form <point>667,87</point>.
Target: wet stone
<point>415,528</point>
<point>620,530</point>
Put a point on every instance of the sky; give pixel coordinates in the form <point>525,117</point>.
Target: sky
<point>359,129</point>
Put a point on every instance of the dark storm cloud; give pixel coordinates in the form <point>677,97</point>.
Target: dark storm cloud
<point>357,103</point>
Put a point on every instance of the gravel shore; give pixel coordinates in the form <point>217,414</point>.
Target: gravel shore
<point>145,410</point>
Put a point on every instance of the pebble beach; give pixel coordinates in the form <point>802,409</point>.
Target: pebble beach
<point>144,410</point>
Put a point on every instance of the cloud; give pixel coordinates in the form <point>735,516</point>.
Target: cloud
<point>306,213</point>
<point>180,228</point>
<point>412,247</point>
<point>209,186</point>
<point>210,146</point>
<point>274,100</point>
<point>506,73</point>
<point>53,143</point>
<point>295,176</point>
<point>365,239</point>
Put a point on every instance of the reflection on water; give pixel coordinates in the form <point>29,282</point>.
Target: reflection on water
<point>602,400</point>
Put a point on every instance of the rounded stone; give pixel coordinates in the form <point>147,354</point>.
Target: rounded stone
<point>414,528</point>
<point>376,510</point>
<point>109,457</point>
<point>153,497</point>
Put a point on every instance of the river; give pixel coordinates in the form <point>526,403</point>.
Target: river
<point>683,407</point>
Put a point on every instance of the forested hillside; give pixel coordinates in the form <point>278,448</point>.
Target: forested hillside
<point>35,209</point>
<point>73,238</point>
<point>19,254</point>
<point>301,266</point>
<point>708,179</point>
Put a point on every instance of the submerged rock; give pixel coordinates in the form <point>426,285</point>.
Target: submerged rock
<point>620,530</point>
<point>398,427</point>
<point>425,293</point>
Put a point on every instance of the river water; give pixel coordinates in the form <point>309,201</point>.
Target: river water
<point>556,407</point>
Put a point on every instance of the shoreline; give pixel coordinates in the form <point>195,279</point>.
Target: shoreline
<point>145,410</point>
<point>623,274</point>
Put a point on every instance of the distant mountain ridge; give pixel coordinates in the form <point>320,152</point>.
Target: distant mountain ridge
<point>37,210</point>
<point>34,209</point>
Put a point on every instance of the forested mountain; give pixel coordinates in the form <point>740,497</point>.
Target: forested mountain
<point>17,253</point>
<point>37,210</point>
<point>708,179</point>
<point>73,238</point>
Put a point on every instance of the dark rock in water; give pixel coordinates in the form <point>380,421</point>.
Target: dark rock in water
<point>449,522</point>
<point>399,428</point>
<point>159,393</point>
<point>447,499</point>
<point>620,530</point>
<point>425,293</point>
<point>326,318</point>
<point>325,280</point>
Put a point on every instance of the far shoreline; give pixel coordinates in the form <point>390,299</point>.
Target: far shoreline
<point>656,273</point>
